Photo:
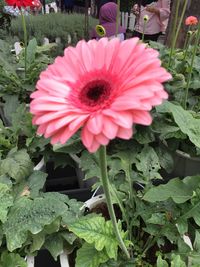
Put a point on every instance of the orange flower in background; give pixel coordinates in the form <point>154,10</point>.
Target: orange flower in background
<point>103,87</point>
<point>191,20</point>
<point>23,3</point>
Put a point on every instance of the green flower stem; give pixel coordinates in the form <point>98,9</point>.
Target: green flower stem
<point>188,41</point>
<point>180,22</point>
<point>118,17</point>
<point>144,28</point>
<point>125,218</point>
<point>187,38</point>
<point>191,66</point>
<point>173,32</point>
<point>114,193</point>
<point>105,184</point>
<point>25,40</point>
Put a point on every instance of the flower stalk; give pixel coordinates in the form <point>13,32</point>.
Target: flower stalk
<point>117,18</point>
<point>144,26</point>
<point>187,43</point>
<point>187,38</point>
<point>191,66</point>
<point>175,32</point>
<point>25,40</point>
<point>105,184</point>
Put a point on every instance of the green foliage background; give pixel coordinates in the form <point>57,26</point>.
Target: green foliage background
<point>52,26</point>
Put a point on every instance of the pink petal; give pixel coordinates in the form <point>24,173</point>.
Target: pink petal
<point>86,55</point>
<point>87,137</point>
<point>41,129</point>
<point>46,106</point>
<point>124,102</point>
<point>55,88</point>
<point>95,124</point>
<point>50,116</point>
<point>99,56</point>
<point>102,139</point>
<point>142,117</point>
<point>124,133</point>
<point>78,122</point>
<point>124,54</point>
<point>67,134</point>
<point>109,128</point>
<point>94,147</point>
<point>111,53</point>
<point>123,118</point>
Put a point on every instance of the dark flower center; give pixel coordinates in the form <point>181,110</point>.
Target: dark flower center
<point>95,93</point>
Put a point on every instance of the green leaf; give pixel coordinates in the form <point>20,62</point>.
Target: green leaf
<point>182,226</point>
<point>148,163</point>
<point>186,122</point>
<point>12,260</point>
<point>166,130</point>
<point>54,244</point>
<point>6,201</point>
<point>22,122</point>
<point>36,183</point>
<point>197,241</point>
<point>165,158</point>
<point>73,146</point>
<point>17,165</point>
<point>144,135</point>
<point>120,263</point>
<point>4,179</point>
<point>31,51</point>
<point>37,242</point>
<point>177,262</point>
<point>89,164</point>
<point>97,231</point>
<point>161,263</point>
<point>31,216</point>
<point>176,189</point>
<point>11,104</point>
<point>126,157</point>
<point>88,256</point>
<point>69,237</point>
<point>158,218</point>
<point>194,258</point>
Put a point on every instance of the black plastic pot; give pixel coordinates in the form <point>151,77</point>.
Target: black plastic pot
<point>184,165</point>
<point>67,180</point>
<point>44,259</point>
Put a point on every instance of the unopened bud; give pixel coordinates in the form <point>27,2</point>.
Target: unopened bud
<point>190,32</point>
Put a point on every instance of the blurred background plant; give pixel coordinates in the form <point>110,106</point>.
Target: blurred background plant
<point>51,26</point>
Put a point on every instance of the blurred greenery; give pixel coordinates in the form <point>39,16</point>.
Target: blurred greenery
<point>51,26</point>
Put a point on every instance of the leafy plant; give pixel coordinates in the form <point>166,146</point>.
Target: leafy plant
<point>30,219</point>
<point>12,78</point>
<point>53,25</point>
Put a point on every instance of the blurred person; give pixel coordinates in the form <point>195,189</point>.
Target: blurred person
<point>151,18</point>
<point>103,2</point>
<point>69,6</point>
<point>58,4</point>
<point>51,9</point>
<point>107,19</point>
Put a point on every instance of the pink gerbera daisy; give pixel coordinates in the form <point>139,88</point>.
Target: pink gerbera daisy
<point>102,86</point>
<point>191,20</point>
